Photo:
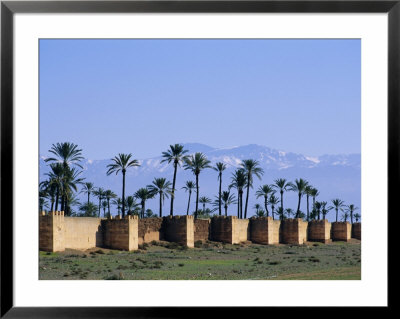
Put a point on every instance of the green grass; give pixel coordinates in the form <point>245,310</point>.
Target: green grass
<point>211,261</point>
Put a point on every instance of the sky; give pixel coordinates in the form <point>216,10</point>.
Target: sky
<point>140,96</point>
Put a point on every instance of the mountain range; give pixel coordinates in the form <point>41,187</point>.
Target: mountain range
<point>335,176</point>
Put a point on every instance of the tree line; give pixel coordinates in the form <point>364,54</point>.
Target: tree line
<point>59,190</point>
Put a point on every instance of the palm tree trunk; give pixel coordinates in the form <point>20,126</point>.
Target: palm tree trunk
<point>143,208</point>
<point>160,204</point>
<point>123,194</point>
<point>241,205</point>
<point>188,206</point>
<point>308,209</point>
<point>57,196</point>
<point>108,204</point>
<point>219,196</point>
<point>282,200</point>
<point>266,205</point>
<point>88,195</point>
<point>273,215</point>
<point>52,205</point>
<point>238,205</point>
<point>197,195</point>
<point>247,200</point>
<point>99,205</point>
<point>226,210</point>
<point>337,210</point>
<point>351,216</point>
<point>298,207</point>
<point>173,190</point>
<point>204,207</point>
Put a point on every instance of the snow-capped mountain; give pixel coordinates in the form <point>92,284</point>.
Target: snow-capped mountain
<point>335,176</point>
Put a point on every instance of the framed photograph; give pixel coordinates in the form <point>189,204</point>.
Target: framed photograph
<point>160,155</point>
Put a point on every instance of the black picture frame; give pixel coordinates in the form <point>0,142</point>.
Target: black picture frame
<point>9,8</point>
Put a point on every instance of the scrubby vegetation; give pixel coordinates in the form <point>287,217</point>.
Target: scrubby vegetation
<point>208,260</point>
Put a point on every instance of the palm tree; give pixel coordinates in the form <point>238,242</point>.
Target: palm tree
<point>88,209</point>
<point>338,204</point>
<point>314,193</point>
<point>55,180</point>
<point>325,210</point>
<point>99,193</point>
<point>219,167</point>
<point>281,213</point>
<point>345,216</point>
<point>104,205</point>
<point>299,186</point>
<point>239,181</point>
<point>66,153</point>
<point>189,186</point>
<point>109,194</point>
<point>350,209</point>
<point>251,167</point>
<point>88,188</point>
<point>176,155</point>
<point>308,191</point>
<point>273,201</point>
<point>121,163</point>
<point>263,191</point>
<point>42,204</point>
<point>117,202</point>
<point>357,216</point>
<point>70,182</point>
<point>143,194</point>
<point>49,189</point>
<point>204,200</point>
<point>260,212</point>
<point>318,206</point>
<point>257,207</point>
<point>227,199</point>
<point>131,204</point>
<point>289,212</point>
<point>282,185</point>
<point>162,187</point>
<point>196,163</point>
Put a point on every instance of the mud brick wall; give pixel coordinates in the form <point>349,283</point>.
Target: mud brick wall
<point>341,231</point>
<point>150,229</point>
<point>121,233</point>
<point>276,229</point>
<point>264,230</point>
<point>356,228</point>
<point>52,232</point>
<point>201,229</point>
<point>83,232</point>
<point>221,229</point>
<point>240,230</point>
<point>179,229</point>
<point>319,230</point>
<point>293,231</point>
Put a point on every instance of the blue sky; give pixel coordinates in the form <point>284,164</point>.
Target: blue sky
<point>139,96</point>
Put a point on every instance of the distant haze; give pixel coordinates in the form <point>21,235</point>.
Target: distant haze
<point>335,176</point>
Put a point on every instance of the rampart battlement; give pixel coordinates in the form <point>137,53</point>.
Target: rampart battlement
<point>57,232</point>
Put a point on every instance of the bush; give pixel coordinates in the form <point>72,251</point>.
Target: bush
<point>198,244</point>
<point>120,276</point>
